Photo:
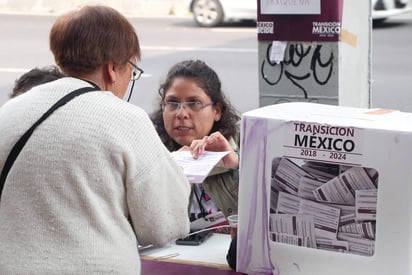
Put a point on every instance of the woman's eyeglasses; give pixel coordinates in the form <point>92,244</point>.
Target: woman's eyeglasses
<point>136,74</point>
<point>174,106</point>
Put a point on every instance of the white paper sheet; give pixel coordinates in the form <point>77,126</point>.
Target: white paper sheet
<point>196,170</point>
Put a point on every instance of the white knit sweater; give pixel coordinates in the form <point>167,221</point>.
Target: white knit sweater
<point>88,167</point>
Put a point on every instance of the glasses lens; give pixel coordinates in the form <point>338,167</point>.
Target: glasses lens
<point>170,106</point>
<point>136,72</point>
<point>133,77</point>
<point>194,106</point>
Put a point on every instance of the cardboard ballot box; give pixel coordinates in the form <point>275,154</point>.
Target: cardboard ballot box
<point>325,190</point>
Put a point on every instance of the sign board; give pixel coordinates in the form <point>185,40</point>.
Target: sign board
<point>299,20</point>
<point>290,6</point>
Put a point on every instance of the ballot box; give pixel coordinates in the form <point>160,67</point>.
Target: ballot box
<point>325,190</point>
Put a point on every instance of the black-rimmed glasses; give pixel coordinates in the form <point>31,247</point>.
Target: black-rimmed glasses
<point>136,74</point>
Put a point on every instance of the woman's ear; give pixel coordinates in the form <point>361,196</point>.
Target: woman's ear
<point>110,72</point>
<point>218,111</point>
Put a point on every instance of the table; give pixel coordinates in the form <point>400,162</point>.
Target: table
<point>207,258</point>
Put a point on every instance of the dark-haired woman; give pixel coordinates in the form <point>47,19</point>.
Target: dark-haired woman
<point>195,115</point>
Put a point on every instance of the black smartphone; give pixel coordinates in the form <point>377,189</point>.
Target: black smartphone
<point>195,239</point>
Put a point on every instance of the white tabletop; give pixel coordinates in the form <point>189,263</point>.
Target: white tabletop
<point>211,252</point>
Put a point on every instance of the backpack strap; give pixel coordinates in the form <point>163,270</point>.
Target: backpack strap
<point>23,139</point>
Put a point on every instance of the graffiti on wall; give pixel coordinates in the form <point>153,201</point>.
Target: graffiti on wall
<point>305,70</point>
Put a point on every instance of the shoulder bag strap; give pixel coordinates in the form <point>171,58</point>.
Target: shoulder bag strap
<point>23,139</point>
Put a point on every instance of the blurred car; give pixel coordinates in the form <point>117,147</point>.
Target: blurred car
<point>210,13</point>
<point>382,9</point>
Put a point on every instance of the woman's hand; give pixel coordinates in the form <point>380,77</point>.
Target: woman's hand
<point>215,142</point>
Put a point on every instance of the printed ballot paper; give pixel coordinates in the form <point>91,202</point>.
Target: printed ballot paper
<point>196,170</point>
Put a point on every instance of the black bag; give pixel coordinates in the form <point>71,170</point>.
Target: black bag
<point>231,253</point>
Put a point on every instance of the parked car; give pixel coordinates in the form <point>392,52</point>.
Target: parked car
<point>210,13</point>
<point>382,9</point>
